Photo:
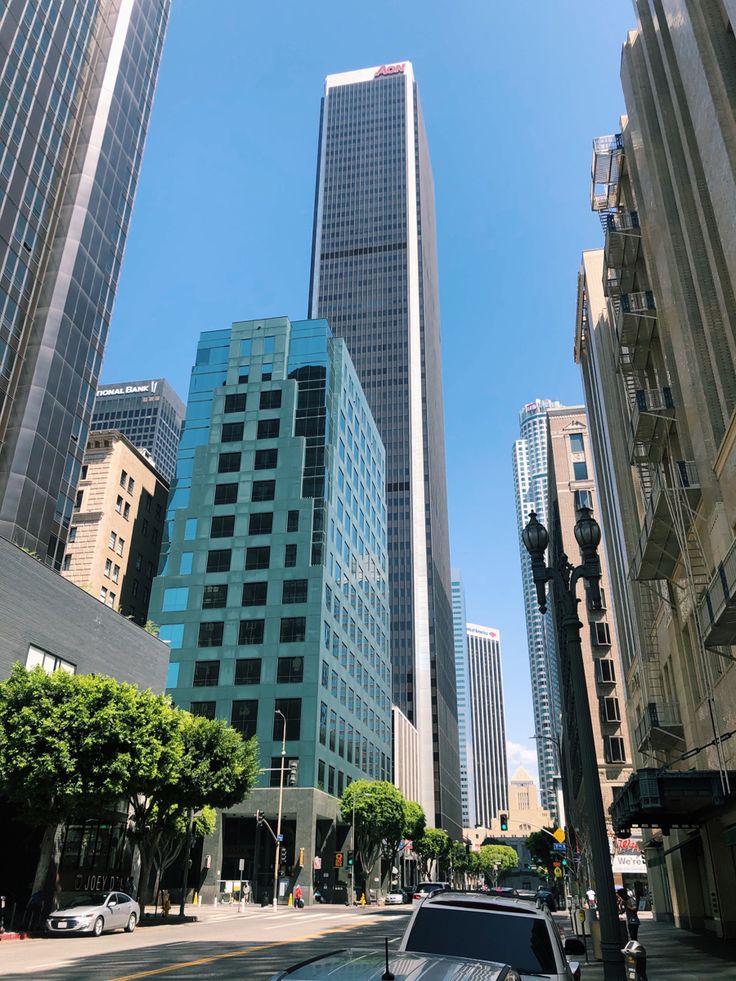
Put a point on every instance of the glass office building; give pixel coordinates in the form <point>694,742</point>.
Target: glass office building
<point>486,719</point>
<point>374,278</point>
<point>464,708</point>
<point>148,412</point>
<point>273,588</point>
<point>77,79</point>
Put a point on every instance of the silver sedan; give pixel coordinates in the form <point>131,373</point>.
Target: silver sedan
<point>95,912</point>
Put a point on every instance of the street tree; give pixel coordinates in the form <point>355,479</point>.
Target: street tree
<point>415,820</point>
<point>433,846</point>
<point>540,846</point>
<point>378,809</point>
<point>494,859</point>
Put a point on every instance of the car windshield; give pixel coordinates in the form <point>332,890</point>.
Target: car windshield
<point>86,899</point>
<point>521,941</point>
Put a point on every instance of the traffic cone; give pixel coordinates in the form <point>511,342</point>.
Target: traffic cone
<point>362,900</point>
<point>291,900</point>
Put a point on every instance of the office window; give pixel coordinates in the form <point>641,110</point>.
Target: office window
<point>600,634</point>
<point>268,428</point>
<point>290,556</point>
<point>290,670</point>
<point>39,658</point>
<point>333,729</point>
<point>108,568</point>
<point>120,547</point>
<point>235,403</point>
<point>254,593</point>
<point>609,708</point>
<point>251,632</point>
<point>218,560</point>
<point>123,477</point>
<point>66,564</point>
<point>228,463</point>
<point>293,629</point>
<point>131,488</point>
<point>331,780</point>
<point>257,557</point>
<point>72,534</point>
<point>580,470</point>
<point>119,504</point>
<point>614,749</point>
<point>321,775</point>
<point>112,540</point>
<point>323,723</point>
<point>263,490</point>
<point>325,674</point>
<point>210,634</point>
<point>206,674</point>
<point>205,709</point>
<point>583,499</point>
<point>214,597</point>
<point>222,526</point>
<point>232,432</point>
<point>605,671</point>
<point>260,523</point>
<point>78,499</point>
<point>294,591</point>
<point>291,708</point>
<point>126,511</point>
<point>576,443</point>
<point>270,400</point>
<point>226,493</point>
<point>248,671</point>
<point>266,459</point>
<point>244,717</point>
<point>292,521</point>
<point>115,573</point>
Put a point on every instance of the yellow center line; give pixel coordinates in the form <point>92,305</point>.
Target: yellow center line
<point>232,953</point>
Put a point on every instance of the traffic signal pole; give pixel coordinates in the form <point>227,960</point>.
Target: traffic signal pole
<point>278,822</point>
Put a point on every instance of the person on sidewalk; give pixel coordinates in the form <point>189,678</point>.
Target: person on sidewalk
<point>590,893</point>
<point>627,906</point>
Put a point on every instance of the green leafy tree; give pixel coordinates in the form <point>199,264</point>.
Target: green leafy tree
<point>495,859</point>
<point>415,820</point>
<point>539,845</point>
<point>433,846</point>
<point>379,811</point>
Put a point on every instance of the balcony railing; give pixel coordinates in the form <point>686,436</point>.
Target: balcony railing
<point>658,549</point>
<point>652,416</point>
<point>717,611</point>
<point>660,727</point>
<point>636,319</point>
<point>623,241</point>
<point>608,152</point>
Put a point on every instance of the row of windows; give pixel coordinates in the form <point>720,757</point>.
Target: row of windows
<point>259,523</point>
<point>232,432</point>
<point>254,594</point>
<point>290,670</point>
<point>264,460</point>
<point>293,631</point>
<point>256,557</point>
<point>244,716</point>
<point>267,400</point>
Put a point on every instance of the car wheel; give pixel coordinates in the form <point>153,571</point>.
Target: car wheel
<point>130,927</point>
<point>98,927</point>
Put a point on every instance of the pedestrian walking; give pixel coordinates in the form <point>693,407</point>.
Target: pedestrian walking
<point>590,893</point>
<point>627,906</point>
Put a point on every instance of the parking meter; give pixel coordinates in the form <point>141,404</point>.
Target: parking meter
<point>635,961</point>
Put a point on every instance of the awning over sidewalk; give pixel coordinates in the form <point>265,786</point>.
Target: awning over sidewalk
<point>667,799</point>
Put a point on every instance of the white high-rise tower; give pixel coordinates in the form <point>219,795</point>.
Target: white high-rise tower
<point>486,720</point>
<point>530,488</point>
<point>465,734</point>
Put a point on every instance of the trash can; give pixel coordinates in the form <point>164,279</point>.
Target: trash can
<point>635,961</point>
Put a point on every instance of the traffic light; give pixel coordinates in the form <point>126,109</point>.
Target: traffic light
<point>351,858</point>
<point>293,772</point>
<point>260,816</point>
<point>504,822</point>
<point>282,855</point>
<point>564,861</point>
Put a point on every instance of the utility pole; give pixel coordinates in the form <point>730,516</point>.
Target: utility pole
<point>187,859</point>
<point>278,822</point>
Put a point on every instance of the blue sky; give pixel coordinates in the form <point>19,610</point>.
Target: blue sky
<point>512,95</point>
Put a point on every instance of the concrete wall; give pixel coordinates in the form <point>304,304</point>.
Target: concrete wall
<point>39,607</point>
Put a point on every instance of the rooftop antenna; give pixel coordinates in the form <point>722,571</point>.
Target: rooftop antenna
<point>387,975</point>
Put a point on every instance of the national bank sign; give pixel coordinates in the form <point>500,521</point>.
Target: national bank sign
<point>135,388</point>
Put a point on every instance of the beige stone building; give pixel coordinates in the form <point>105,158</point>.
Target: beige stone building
<point>524,814</point>
<point>570,486</point>
<point>656,341</point>
<point>117,525</point>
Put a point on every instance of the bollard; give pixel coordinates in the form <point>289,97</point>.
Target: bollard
<point>241,906</point>
<point>635,961</point>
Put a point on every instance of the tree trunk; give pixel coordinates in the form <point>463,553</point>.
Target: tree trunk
<point>46,879</point>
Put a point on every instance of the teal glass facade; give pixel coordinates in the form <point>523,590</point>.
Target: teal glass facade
<point>273,583</point>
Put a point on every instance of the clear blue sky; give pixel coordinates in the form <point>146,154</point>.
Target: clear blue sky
<point>512,94</point>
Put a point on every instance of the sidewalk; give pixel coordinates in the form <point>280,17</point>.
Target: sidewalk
<point>674,954</point>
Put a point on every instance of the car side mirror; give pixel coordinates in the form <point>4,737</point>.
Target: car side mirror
<point>112,903</point>
<point>574,946</point>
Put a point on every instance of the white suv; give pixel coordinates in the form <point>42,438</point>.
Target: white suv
<point>490,928</point>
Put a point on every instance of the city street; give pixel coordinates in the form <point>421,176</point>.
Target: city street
<point>223,944</point>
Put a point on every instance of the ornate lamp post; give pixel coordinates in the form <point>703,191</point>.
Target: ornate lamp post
<point>564,578</point>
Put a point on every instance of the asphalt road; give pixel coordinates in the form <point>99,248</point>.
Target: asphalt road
<point>224,945</point>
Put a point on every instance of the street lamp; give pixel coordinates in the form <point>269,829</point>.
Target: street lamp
<point>278,822</point>
<point>564,578</point>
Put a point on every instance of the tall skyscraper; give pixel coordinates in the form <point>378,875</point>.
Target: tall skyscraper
<point>465,733</point>
<point>490,770</point>
<point>530,488</point>
<point>148,412</point>
<point>374,278</point>
<point>273,592</point>
<point>76,85</point>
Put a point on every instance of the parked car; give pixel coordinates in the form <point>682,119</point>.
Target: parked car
<point>95,912</point>
<point>369,965</point>
<point>427,888</point>
<point>395,897</point>
<point>507,891</point>
<point>493,928</point>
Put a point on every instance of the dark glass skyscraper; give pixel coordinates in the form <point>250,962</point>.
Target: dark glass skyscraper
<point>76,84</point>
<point>374,278</point>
